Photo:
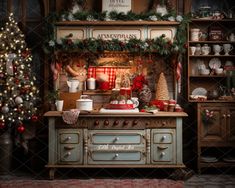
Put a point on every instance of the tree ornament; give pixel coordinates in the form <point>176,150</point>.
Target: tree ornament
<point>21,128</point>
<point>5,109</point>
<point>34,118</point>
<point>2,125</point>
<point>18,100</point>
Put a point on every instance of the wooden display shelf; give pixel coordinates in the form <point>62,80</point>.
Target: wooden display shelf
<point>211,42</point>
<point>208,76</point>
<point>211,56</point>
<point>217,164</point>
<point>110,23</point>
<point>211,101</point>
<point>212,20</point>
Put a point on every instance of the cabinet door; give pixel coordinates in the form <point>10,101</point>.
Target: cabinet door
<point>230,124</point>
<point>213,131</point>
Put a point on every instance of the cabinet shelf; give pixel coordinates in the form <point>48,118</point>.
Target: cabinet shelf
<point>211,42</point>
<point>208,76</point>
<point>211,101</point>
<point>212,20</point>
<point>222,56</point>
<point>217,164</point>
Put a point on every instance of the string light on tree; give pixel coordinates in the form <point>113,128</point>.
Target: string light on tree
<point>16,76</point>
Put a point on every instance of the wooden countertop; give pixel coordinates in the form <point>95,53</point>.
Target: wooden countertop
<point>139,114</point>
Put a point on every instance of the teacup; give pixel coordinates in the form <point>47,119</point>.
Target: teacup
<point>217,49</point>
<point>227,48</point>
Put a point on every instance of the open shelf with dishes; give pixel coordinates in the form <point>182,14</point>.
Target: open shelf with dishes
<point>211,80</point>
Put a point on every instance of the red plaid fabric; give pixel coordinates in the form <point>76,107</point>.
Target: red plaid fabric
<point>110,71</point>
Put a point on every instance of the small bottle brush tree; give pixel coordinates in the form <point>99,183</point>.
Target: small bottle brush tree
<point>19,97</point>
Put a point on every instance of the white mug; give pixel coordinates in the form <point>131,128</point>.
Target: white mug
<point>135,101</point>
<point>217,49</point>
<point>195,34</point>
<point>59,105</point>
<point>192,50</point>
<point>227,48</point>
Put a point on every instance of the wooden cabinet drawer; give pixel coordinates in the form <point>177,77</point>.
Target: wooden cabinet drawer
<point>163,153</point>
<point>69,153</point>
<point>117,137</point>
<point>70,146</point>
<point>162,138</point>
<point>69,137</point>
<point>163,146</point>
<point>116,156</point>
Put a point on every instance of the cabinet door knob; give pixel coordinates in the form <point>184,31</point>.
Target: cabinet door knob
<point>96,123</point>
<point>228,115</point>
<point>163,123</point>
<point>116,139</point>
<point>69,138</point>
<point>106,122</point>
<point>147,123</point>
<point>116,122</point>
<point>135,122</point>
<point>163,154</point>
<point>126,122</point>
<point>164,137</point>
<point>224,116</point>
<point>115,156</point>
<point>68,153</point>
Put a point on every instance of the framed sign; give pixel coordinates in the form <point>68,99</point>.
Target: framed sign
<point>117,5</point>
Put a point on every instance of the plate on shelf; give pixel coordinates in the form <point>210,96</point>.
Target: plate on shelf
<point>229,159</point>
<point>199,91</point>
<point>214,63</point>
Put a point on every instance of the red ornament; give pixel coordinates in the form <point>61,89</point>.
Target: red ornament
<point>34,118</point>
<point>142,110</point>
<point>2,125</point>
<point>21,128</point>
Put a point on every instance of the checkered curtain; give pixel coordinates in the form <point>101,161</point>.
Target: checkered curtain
<point>110,71</point>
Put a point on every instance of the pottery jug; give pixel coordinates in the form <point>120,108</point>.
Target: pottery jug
<point>73,85</point>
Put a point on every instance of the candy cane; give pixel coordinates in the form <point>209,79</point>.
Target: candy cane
<point>178,75</point>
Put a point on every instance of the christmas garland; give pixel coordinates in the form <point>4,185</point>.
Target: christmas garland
<point>161,46</point>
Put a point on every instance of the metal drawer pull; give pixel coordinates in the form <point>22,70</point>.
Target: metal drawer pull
<point>164,137</point>
<point>163,154</point>
<point>69,147</point>
<point>69,138</point>
<point>228,115</point>
<point>116,139</point>
<point>162,147</point>
<point>68,154</point>
<point>115,156</point>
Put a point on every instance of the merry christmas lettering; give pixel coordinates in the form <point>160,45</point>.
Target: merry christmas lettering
<point>117,36</point>
<point>114,147</point>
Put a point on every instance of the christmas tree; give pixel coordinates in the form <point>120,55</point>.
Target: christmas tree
<point>19,96</point>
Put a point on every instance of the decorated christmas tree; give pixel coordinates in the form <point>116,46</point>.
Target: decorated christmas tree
<point>19,96</point>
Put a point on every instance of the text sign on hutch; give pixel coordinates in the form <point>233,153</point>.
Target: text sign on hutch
<point>116,5</point>
<point>121,34</point>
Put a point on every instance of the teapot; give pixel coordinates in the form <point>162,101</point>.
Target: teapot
<point>231,37</point>
<point>73,85</point>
